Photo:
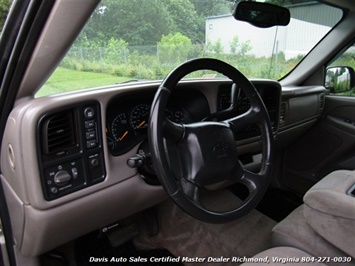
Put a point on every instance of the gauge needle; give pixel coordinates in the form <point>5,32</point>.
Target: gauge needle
<point>141,124</point>
<point>125,134</point>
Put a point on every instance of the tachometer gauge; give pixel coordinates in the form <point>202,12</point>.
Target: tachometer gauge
<point>140,116</point>
<point>121,129</point>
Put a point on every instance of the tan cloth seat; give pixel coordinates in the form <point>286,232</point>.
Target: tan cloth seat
<point>294,231</point>
<point>323,225</point>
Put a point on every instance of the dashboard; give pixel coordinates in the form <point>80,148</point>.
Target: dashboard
<point>71,143</point>
<point>77,146</point>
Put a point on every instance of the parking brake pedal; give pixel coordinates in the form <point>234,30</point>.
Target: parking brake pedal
<point>58,256</point>
<point>121,235</point>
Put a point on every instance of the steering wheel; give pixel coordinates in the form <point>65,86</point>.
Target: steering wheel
<point>189,157</point>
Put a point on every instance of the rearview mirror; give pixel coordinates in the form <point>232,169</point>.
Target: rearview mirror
<point>263,15</point>
<point>339,79</point>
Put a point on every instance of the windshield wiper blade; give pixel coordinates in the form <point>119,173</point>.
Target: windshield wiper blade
<point>133,80</point>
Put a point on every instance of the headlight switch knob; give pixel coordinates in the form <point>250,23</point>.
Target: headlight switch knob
<point>62,178</point>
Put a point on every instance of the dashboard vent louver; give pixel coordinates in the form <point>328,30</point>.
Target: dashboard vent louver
<point>282,114</point>
<point>59,133</point>
<point>322,101</point>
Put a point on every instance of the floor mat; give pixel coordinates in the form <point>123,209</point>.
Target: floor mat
<point>188,237</point>
<point>277,203</point>
<point>90,249</point>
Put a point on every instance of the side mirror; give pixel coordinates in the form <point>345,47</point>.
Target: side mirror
<point>339,79</point>
<point>263,15</point>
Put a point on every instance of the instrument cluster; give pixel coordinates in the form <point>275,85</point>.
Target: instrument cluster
<point>128,115</point>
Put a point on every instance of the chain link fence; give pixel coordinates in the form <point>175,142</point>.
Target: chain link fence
<point>155,62</point>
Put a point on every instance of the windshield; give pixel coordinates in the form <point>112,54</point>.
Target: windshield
<point>134,40</point>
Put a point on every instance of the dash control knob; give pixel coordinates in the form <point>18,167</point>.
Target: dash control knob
<point>94,162</point>
<point>62,178</point>
<point>89,112</point>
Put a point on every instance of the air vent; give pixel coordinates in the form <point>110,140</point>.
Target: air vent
<point>321,101</point>
<point>282,114</point>
<point>59,133</point>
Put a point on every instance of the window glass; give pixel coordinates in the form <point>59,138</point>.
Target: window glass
<point>128,40</point>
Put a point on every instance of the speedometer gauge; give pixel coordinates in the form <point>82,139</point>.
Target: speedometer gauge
<point>121,129</point>
<point>140,116</point>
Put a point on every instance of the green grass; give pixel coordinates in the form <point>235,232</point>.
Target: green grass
<point>64,80</point>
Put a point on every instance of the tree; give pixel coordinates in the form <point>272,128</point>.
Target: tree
<point>212,7</point>
<point>4,9</point>
<point>216,47</point>
<point>145,22</point>
<point>175,39</point>
<point>135,21</point>
<point>185,19</point>
<point>174,48</point>
<point>241,49</point>
<point>116,51</point>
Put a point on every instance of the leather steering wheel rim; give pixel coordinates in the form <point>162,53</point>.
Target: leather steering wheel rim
<point>189,139</point>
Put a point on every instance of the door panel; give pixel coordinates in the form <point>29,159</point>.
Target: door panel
<point>328,146</point>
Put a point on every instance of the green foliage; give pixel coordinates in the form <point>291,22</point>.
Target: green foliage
<point>212,7</point>
<point>176,39</point>
<point>120,71</point>
<point>155,62</point>
<point>83,66</point>
<point>346,59</point>
<point>142,72</point>
<point>116,51</point>
<point>135,21</point>
<point>234,44</point>
<point>145,22</point>
<point>4,9</point>
<point>184,18</point>
<point>174,49</point>
<point>241,49</point>
<point>216,48</point>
